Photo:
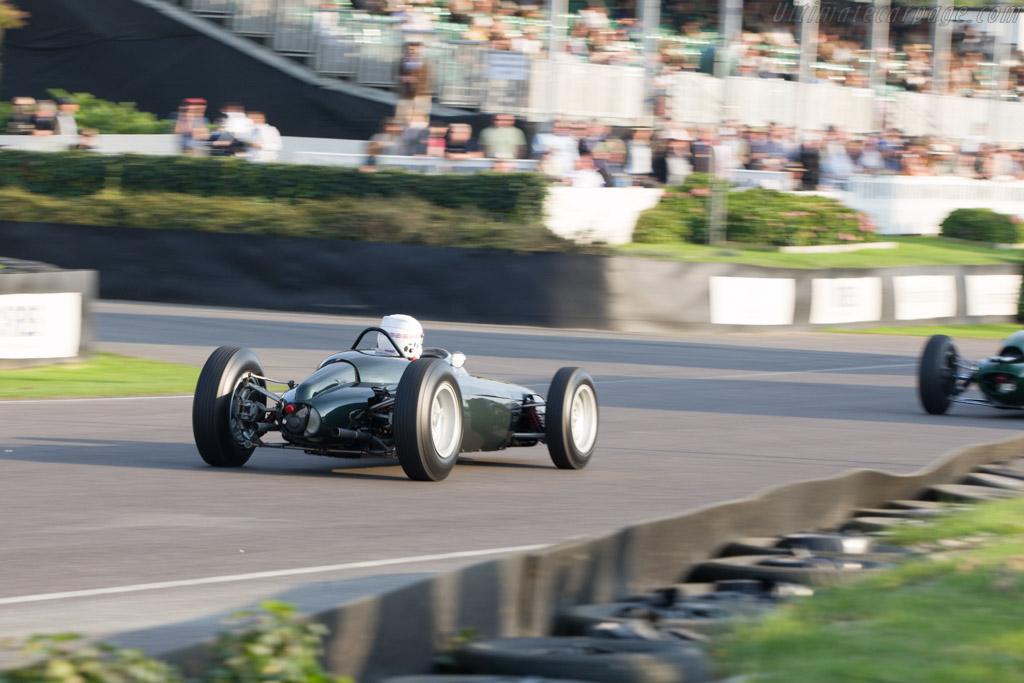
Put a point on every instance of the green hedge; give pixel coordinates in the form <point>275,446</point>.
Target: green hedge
<point>983,225</point>
<point>518,196</point>
<point>405,220</point>
<point>763,217</point>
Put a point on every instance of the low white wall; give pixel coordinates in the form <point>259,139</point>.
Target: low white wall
<point>604,214</point>
<point>904,205</point>
<point>775,301</point>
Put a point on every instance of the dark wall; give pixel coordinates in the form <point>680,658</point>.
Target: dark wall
<point>324,276</point>
<point>120,50</point>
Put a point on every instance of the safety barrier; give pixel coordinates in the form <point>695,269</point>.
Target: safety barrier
<point>556,289</point>
<point>44,313</point>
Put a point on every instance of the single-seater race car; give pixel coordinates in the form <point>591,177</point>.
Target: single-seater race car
<point>363,403</point>
<point>944,375</point>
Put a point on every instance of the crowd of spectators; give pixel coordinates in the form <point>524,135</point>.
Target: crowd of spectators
<point>609,32</point>
<point>233,133</point>
<point>45,118</point>
<point>594,154</point>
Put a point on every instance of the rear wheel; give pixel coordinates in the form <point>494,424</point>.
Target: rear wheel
<point>222,407</point>
<point>571,419</point>
<point>428,420</point>
<point>936,374</point>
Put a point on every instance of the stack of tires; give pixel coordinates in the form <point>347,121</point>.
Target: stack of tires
<point>661,637</point>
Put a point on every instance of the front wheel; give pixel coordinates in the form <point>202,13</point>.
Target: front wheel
<point>427,420</point>
<point>936,374</point>
<point>571,419</point>
<point>222,408</point>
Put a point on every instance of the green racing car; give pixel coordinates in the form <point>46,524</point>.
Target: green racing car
<point>944,375</point>
<point>368,402</point>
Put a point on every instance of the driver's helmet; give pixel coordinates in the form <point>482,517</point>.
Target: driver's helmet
<point>407,333</point>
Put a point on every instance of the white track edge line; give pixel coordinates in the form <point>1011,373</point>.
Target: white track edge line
<point>22,401</point>
<point>262,575</point>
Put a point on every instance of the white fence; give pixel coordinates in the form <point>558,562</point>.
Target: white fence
<point>697,98</point>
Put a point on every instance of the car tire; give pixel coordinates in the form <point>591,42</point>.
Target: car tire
<point>428,420</point>
<point>968,493</point>
<point>571,419</point>
<point>810,571</point>
<point>603,660</point>
<point>215,435</point>
<point>935,381</point>
<point>820,544</point>
<point>692,615</point>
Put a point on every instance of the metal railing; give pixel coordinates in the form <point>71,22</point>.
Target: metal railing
<point>211,7</point>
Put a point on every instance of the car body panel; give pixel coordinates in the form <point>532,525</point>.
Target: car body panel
<point>987,377</point>
<point>345,384</point>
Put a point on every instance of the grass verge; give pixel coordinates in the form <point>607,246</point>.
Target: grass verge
<point>913,251</point>
<point>987,331</point>
<point>951,618</point>
<point>107,374</point>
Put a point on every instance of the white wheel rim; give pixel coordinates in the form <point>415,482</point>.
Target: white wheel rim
<point>445,422</point>
<point>583,419</point>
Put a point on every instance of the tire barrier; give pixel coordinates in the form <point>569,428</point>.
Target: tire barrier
<point>1004,469</point>
<point>812,570</point>
<point>968,493</point>
<point>398,632</point>
<point>591,659</point>
<point>822,545</point>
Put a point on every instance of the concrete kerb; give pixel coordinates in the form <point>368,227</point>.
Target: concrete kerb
<point>400,631</point>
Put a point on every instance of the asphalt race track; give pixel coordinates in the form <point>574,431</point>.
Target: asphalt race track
<point>102,499</point>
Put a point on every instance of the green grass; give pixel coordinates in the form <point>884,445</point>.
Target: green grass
<point>913,251</point>
<point>986,331</point>
<point>106,374</point>
<point>954,619</point>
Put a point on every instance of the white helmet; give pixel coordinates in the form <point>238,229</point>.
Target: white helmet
<point>407,333</point>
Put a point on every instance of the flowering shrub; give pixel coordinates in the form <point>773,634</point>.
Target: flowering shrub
<point>764,217</point>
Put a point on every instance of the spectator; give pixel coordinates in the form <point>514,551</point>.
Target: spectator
<point>503,140</point>
<point>672,166</point>
<point>45,119</point>
<point>810,160</point>
<point>416,84</point>
<point>222,142</point>
<point>66,124</point>
<point>387,141</point>
<point>192,127</point>
<point>413,141</point>
<point>265,141</point>
<point>23,117</point>
<point>563,147</point>
<point>437,139</point>
<point>585,174</point>
<point>702,151</point>
<point>237,123</point>
<point>639,155</point>
<point>462,145</point>
<point>870,159</point>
